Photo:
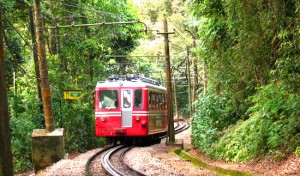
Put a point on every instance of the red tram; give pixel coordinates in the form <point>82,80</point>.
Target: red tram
<point>130,108</point>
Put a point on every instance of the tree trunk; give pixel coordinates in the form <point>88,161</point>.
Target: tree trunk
<point>45,85</point>
<point>6,167</point>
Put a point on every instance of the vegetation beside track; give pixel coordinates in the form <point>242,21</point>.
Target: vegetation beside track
<point>251,53</point>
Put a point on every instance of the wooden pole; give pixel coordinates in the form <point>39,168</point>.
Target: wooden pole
<point>175,97</point>
<point>6,165</point>
<point>171,134</point>
<point>45,86</point>
<point>189,80</point>
<point>36,60</point>
<point>194,63</point>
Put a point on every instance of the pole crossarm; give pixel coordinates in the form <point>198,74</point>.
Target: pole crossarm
<point>121,56</point>
<point>164,33</point>
<point>99,24</point>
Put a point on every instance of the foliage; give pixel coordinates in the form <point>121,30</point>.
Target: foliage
<point>250,50</point>
<point>211,118</point>
<point>152,14</point>
<point>24,118</point>
<point>22,127</point>
<point>76,60</point>
<point>297,152</point>
<point>273,128</point>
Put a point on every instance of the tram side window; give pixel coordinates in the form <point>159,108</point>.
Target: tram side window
<point>149,100</point>
<point>157,101</point>
<point>160,101</point>
<point>153,100</point>
<point>164,101</point>
<point>138,98</point>
<point>108,99</point>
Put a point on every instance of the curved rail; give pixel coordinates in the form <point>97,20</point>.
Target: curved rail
<point>182,126</point>
<point>87,165</point>
<point>107,165</point>
<point>136,172</point>
<point>106,161</point>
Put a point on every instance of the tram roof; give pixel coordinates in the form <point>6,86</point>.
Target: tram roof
<point>131,80</point>
<point>125,83</point>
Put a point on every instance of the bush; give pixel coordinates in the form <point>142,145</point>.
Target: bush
<point>243,141</point>
<point>21,131</point>
<point>214,114</point>
<point>272,129</point>
<point>297,152</point>
<point>78,121</point>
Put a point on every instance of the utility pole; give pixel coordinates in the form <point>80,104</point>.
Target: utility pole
<point>36,62</point>
<point>175,96</point>
<point>45,86</point>
<point>171,133</point>
<point>48,143</point>
<point>189,80</point>
<point>194,63</point>
<point>6,166</point>
<point>195,68</point>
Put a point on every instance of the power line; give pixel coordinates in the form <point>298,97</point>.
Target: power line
<point>54,7</point>
<point>91,9</point>
<point>26,42</point>
<point>98,24</point>
<point>179,33</point>
<point>131,56</point>
<point>71,4</point>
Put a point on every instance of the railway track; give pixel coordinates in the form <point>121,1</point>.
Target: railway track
<point>91,159</point>
<point>112,157</point>
<point>181,127</point>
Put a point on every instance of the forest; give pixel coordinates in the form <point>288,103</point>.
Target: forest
<point>238,61</point>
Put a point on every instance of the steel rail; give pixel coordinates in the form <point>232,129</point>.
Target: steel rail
<point>87,165</point>
<point>106,161</point>
<point>108,166</point>
<point>136,172</point>
<point>179,128</point>
<point>184,126</point>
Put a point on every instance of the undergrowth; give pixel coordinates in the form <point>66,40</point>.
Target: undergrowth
<point>273,128</point>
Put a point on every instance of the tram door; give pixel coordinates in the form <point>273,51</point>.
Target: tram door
<point>126,108</point>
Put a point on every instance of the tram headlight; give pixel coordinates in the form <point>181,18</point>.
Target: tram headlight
<point>137,118</point>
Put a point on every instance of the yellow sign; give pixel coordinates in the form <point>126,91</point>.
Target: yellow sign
<point>72,94</point>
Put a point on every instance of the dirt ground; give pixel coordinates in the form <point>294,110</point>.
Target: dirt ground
<point>289,166</point>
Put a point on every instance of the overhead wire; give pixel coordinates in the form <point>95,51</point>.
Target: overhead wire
<point>72,4</point>
<point>90,9</point>
<point>55,7</point>
<point>20,35</point>
<point>49,5</point>
<point>179,32</point>
<point>12,55</point>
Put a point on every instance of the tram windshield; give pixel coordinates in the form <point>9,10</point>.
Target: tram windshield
<point>108,99</point>
<point>126,98</point>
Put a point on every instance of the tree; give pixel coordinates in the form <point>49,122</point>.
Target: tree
<point>6,167</point>
<point>76,61</point>
<point>251,52</point>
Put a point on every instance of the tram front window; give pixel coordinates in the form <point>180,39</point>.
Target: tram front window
<point>138,98</point>
<point>108,99</point>
<point>126,98</point>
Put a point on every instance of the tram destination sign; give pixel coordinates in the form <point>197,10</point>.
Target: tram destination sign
<point>72,94</point>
